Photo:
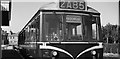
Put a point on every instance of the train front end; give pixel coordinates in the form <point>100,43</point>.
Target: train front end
<point>72,50</point>
<point>69,33</point>
<point>65,30</point>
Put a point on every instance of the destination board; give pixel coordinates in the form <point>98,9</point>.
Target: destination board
<point>72,4</point>
<point>73,19</point>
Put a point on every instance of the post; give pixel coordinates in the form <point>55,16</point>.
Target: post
<point>0,33</point>
<point>119,29</point>
<point>0,43</point>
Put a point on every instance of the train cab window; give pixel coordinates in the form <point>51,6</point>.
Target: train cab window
<point>53,27</point>
<point>91,28</point>
<point>81,28</point>
<point>59,27</point>
<point>74,31</point>
<point>73,28</point>
<point>94,31</point>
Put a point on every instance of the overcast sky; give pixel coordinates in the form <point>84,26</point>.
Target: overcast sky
<point>22,12</point>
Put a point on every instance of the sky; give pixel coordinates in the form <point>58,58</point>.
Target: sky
<point>22,12</point>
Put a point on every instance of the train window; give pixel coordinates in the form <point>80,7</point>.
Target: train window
<point>73,27</point>
<point>70,27</point>
<point>91,28</point>
<point>94,29</point>
<point>32,31</point>
<point>74,31</point>
<point>53,27</point>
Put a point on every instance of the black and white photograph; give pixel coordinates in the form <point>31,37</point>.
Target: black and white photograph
<point>60,29</point>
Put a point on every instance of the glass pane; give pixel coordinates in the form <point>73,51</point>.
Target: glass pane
<point>53,27</point>
<point>79,31</point>
<point>32,31</point>
<point>74,31</point>
<point>94,33</point>
<point>94,28</point>
<point>5,5</point>
<point>73,27</point>
<point>90,28</point>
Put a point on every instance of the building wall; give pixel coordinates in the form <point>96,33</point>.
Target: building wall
<point>13,39</point>
<point>5,23</point>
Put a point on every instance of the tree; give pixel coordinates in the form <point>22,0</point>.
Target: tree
<point>110,33</point>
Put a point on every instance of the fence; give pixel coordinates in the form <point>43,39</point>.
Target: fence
<point>111,48</point>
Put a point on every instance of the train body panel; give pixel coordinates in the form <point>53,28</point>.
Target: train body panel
<point>65,50</point>
<point>73,49</point>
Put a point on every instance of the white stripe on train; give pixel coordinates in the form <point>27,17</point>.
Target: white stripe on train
<point>89,49</point>
<point>55,48</point>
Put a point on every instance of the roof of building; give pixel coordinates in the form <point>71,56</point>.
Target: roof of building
<point>15,35</point>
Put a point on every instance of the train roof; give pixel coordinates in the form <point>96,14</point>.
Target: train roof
<point>55,6</point>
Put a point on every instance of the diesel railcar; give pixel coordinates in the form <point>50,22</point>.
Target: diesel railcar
<point>67,29</point>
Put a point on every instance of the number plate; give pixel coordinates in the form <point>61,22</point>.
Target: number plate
<point>72,4</point>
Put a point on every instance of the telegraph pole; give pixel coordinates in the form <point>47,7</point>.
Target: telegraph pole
<point>119,28</point>
<point>0,33</point>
